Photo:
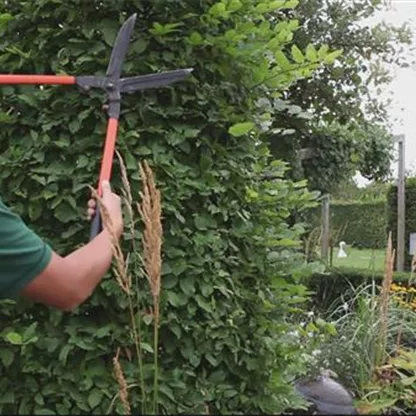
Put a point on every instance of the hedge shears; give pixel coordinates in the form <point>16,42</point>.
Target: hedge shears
<point>114,87</point>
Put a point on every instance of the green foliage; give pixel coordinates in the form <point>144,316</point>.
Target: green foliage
<point>348,190</point>
<point>231,261</point>
<point>341,116</point>
<point>362,223</point>
<point>342,150</point>
<point>410,212</point>
<point>372,352</point>
<point>358,352</point>
<point>330,286</point>
<point>393,389</point>
<point>370,52</point>
<point>355,352</point>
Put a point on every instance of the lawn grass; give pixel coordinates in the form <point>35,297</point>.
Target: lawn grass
<point>365,259</point>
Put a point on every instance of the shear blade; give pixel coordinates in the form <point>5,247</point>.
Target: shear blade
<point>143,82</point>
<point>121,45</point>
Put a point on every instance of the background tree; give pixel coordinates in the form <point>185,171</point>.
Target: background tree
<point>338,112</point>
<point>349,191</point>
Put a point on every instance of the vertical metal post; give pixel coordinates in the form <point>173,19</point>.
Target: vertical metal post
<point>325,228</point>
<point>401,205</point>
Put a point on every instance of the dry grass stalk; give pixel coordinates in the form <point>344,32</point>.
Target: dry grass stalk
<point>128,200</point>
<point>127,195</point>
<point>386,287</point>
<point>126,184</point>
<point>150,211</point>
<point>399,338</point>
<point>121,269</point>
<point>122,384</point>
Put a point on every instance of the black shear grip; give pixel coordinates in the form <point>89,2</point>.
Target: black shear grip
<point>96,225</point>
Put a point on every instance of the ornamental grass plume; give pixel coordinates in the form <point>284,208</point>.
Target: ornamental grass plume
<point>122,384</point>
<point>150,210</point>
<point>128,199</point>
<point>385,292</point>
<point>121,266</point>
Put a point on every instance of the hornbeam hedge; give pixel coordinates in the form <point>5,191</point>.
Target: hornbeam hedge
<point>230,261</point>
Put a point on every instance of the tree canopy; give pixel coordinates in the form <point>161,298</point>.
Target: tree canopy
<point>338,112</point>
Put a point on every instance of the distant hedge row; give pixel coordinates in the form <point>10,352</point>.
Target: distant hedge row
<point>410,224</point>
<point>328,287</point>
<point>363,222</point>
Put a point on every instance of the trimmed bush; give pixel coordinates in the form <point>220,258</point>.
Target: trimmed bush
<point>328,287</point>
<point>410,222</point>
<point>363,222</point>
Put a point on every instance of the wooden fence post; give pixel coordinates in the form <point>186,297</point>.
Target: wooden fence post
<point>401,208</point>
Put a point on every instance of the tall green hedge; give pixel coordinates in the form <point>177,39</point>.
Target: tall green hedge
<point>410,223</point>
<point>228,252</point>
<point>363,223</point>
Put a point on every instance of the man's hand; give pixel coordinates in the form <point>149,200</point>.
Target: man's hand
<point>113,204</point>
<point>68,281</point>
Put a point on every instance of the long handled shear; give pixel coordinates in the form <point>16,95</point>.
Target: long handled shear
<point>114,86</point>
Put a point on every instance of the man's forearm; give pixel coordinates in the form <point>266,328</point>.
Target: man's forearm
<point>89,263</point>
<point>68,281</point>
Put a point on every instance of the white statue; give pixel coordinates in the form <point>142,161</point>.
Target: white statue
<point>341,252</point>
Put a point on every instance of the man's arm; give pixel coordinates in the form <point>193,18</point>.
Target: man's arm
<point>69,281</point>
<point>66,282</point>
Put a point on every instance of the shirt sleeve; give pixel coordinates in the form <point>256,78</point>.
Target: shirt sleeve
<point>23,254</point>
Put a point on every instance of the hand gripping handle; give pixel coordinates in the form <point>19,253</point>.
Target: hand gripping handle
<point>105,174</point>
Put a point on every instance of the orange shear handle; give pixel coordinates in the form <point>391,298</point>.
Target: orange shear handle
<point>37,79</point>
<point>105,174</point>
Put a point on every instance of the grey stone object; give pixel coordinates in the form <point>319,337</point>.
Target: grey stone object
<point>329,396</point>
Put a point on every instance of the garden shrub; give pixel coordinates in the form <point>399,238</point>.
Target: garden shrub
<point>230,260</point>
<point>410,221</point>
<point>328,287</point>
<point>363,223</point>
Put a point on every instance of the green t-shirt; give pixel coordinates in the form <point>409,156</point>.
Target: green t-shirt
<point>23,254</point>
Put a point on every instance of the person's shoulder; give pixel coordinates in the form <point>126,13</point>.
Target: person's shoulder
<point>9,219</point>
<point>23,254</point>
<point>5,210</point>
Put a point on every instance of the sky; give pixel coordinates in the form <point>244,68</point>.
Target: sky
<point>403,87</point>
<point>404,84</point>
